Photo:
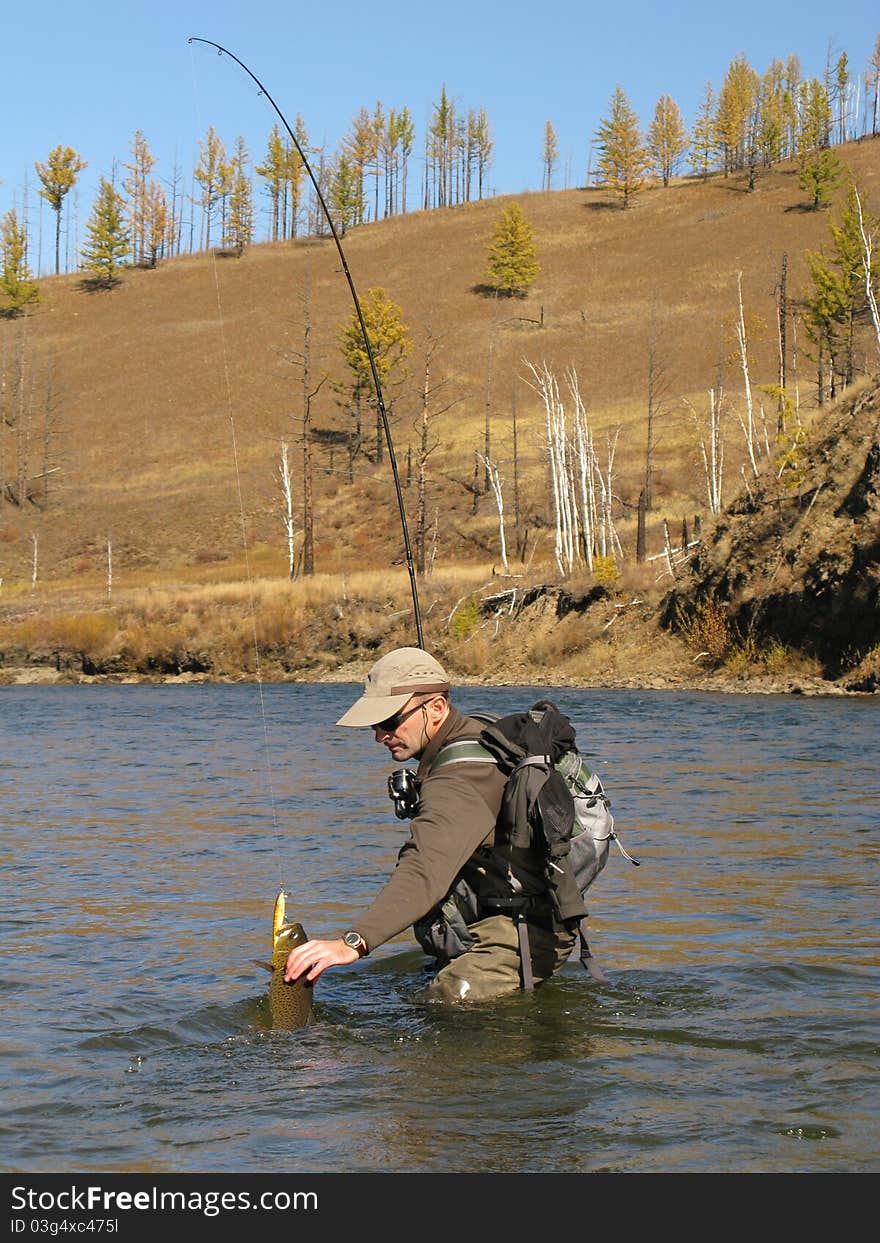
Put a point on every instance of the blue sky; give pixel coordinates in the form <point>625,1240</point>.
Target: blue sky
<point>88,75</point>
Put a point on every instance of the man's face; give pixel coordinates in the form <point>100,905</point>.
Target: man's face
<point>408,732</point>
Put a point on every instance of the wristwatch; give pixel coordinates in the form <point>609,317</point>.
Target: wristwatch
<point>355,941</point>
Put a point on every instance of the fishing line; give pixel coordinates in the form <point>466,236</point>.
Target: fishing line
<point>244,536</point>
<point>380,401</point>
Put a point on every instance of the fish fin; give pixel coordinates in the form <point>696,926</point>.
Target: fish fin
<point>267,965</point>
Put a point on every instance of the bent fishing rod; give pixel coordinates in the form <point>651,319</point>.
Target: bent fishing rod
<point>380,401</point>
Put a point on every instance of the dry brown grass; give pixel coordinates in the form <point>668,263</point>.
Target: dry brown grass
<point>145,444</point>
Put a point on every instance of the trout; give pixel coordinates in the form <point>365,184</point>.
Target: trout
<point>290,1004</point>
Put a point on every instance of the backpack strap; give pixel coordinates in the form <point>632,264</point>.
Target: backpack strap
<point>462,750</point>
<point>525,952</point>
<point>587,960</point>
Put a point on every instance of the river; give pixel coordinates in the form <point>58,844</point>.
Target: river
<point>147,829</point>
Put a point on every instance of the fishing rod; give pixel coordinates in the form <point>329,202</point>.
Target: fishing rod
<point>380,401</point>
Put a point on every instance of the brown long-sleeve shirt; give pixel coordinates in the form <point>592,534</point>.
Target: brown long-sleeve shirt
<point>458,813</point>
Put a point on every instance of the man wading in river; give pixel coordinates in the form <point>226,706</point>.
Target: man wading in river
<point>452,853</point>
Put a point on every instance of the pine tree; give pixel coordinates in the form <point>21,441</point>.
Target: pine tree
<point>142,162</point>
<point>16,282</point>
<point>295,173</point>
<point>390,344</point>
<point>734,121</point>
<point>704,143</point>
<point>770,135</point>
<point>872,79</point>
<point>791,85</point>
<point>274,171</point>
<point>109,241</point>
<point>406,131</point>
<point>841,82</point>
<point>390,141</point>
<point>346,193</point>
<point>820,169</point>
<point>815,116</point>
<point>239,225</point>
<point>838,300</point>
<point>551,155</point>
<point>513,264</point>
<point>360,150</point>
<point>485,145</point>
<point>378,134</point>
<point>624,158</point>
<point>469,153</point>
<point>389,339</point>
<point>441,142</point>
<point>58,176</point>
<point>213,175</point>
<point>158,232</point>
<point>820,174</point>
<point>667,138</point>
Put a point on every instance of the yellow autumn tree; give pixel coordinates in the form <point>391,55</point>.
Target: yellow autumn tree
<point>513,264</point>
<point>17,286</point>
<point>624,157</point>
<point>391,345</point>
<point>667,138</point>
<point>58,176</point>
<point>736,118</point>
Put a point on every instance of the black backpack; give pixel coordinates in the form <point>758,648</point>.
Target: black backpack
<point>552,804</point>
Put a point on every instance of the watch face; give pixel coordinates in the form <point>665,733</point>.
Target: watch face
<point>353,940</point>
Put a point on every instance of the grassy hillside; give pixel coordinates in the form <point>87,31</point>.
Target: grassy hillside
<point>161,382</point>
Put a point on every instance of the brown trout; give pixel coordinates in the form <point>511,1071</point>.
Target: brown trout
<point>290,1004</point>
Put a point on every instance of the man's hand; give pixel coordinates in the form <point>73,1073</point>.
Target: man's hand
<point>318,955</point>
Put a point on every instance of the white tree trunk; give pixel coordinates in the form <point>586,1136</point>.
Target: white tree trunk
<point>496,484</point>
<point>867,253</point>
<point>586,462</point>
<point>713,452</point>
<point>749,426</point>
<point>287,516</point>
<point>546,387</point>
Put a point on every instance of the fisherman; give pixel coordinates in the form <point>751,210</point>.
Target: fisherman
<point>451,852</point>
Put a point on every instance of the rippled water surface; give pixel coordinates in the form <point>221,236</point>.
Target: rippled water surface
<point>146,830</point>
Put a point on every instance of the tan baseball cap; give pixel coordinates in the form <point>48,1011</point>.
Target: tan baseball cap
<point>393,680</point>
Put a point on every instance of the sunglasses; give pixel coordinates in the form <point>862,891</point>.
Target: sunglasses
<point>394,722</point>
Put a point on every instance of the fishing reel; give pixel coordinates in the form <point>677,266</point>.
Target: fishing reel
<point>403,790</point>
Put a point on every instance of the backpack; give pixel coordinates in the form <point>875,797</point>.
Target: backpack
<point>554,806</point>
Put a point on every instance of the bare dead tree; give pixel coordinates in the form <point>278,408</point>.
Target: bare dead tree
<point>287,512</point>
<point>49,418</point>
<point>586,464</point>
<point>426,448</point>
<point>609,544</point>
<point>23,394</point>
<point>748,425</point>
<point>867,236</point>
<point>582,493</point>
<point>302,359</point>
<point>497,491</point>
<point>781,334</point>
<point>711,442</point>
<point>487,441</point>
<point>308,559</point>
<point>565,548</point>
<point>20,377</point>
<point>658,391</point>
<point>517,516</point>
